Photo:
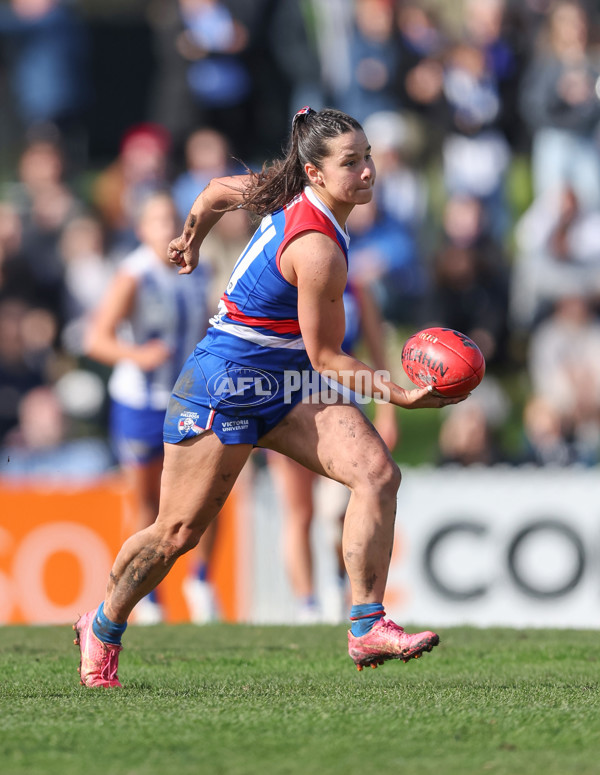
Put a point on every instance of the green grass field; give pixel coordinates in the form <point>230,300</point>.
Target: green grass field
<point>240,700</point>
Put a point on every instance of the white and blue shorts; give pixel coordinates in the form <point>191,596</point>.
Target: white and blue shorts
<point>136,434</point>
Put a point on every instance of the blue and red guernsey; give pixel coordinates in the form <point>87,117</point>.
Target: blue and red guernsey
<point>257,319</point>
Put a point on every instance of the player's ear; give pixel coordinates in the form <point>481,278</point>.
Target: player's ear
<point>313,174</point>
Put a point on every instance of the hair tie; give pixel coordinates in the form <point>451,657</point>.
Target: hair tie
<point>302,112</point>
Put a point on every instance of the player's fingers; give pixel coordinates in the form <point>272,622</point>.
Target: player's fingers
<point>456,399</point>
<point>431,389</point>
<point>446,400</point>
<point>176,248</point>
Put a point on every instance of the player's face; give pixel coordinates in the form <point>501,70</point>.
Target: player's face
<point>347,174</point>
<point>158,224</point>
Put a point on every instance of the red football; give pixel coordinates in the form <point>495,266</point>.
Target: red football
<point>444,358</point>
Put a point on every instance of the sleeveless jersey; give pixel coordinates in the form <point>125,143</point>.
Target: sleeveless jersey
<point>257,319</point>
<point>167,306</point>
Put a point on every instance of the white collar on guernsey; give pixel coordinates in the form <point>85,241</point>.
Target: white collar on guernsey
<point>314,200</point>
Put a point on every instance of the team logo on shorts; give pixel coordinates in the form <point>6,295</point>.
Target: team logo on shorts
<point>242,386</point>
<point>187,424</point>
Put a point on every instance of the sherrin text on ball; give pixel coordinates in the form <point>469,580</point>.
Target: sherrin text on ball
<point>444,358</point>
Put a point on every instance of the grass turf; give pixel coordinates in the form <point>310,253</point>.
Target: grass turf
<point>241,700</point>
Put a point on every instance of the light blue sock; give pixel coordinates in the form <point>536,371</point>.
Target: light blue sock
<point>105,630</point>
<point>202,571</point>
<point>364,616</point>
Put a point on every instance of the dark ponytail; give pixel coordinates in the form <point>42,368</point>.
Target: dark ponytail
<point>279,182</point>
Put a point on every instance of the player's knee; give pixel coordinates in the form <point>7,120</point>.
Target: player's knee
<point>179,540</point>
<point>390,477</point>
<point>383,475</point>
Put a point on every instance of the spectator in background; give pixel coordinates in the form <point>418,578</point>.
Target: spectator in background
<point>45,202</point>
<point>475,151</point>
<point>373,60</point>
<point>385,258</point>
<point>170,99</point>
<point>556,252</point>
<point>420,75</point>
<point>46,48</point>
<point>457,87</point>
<point>203,77</point>
<point>560,104</point>
<point>235,66</point>
<point>27,335</point>
<point>467,439</point>
<point>491,26</point>
<point>474,436</point>
<point>218,78</point>
<point>332,30</point>
<point>284,69</point>
<point>469,283</point>
<point>16,281</point>
<point>564,367</point>
<point>41,447</point>
<point>402,190</point>
<point>139,169</point>
<point>207,155</point>
<point>545,438</point>
<point>148,320</point>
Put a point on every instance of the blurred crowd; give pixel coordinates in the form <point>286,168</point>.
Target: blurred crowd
<point>484,118</point>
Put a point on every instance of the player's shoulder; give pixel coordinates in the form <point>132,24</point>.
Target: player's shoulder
<point>139,262</point>
<point>307,212</point>
<point>302,208</point>
<point>317,259</point>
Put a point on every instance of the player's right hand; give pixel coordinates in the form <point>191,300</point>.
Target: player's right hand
<point>152,354</point>
<point>181,253</point>
<point>429,398</point>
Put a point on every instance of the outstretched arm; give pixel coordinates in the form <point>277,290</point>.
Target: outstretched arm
<point>212,203</point>
<point>320,272</point>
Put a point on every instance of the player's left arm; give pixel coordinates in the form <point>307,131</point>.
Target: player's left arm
<point>211,204</point>
<point>320,273</point>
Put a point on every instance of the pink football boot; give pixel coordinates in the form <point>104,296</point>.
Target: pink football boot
<point>387,640</point>
<point>99,661</point>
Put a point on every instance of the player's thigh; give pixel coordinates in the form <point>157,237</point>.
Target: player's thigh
<point>335,440</point>
<point>198,475</point>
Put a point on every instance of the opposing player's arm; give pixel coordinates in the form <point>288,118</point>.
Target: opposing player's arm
<point>102,342</point>
<point>320,274</point>
<point>209,207</point>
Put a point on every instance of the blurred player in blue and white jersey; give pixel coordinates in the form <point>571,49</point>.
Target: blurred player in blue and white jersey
<point>145,326</point>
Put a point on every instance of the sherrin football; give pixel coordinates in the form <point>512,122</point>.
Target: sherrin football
<point>444,358</point>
